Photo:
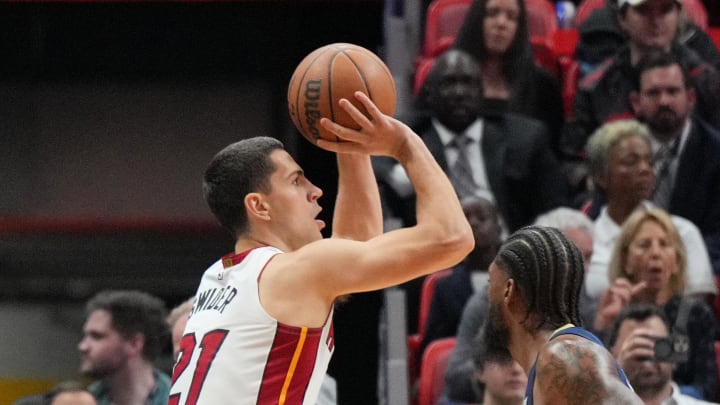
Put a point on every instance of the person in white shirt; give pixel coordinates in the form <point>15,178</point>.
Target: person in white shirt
<point>620,158</point>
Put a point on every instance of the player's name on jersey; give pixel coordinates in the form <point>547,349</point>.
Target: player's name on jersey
<point>214,299</point>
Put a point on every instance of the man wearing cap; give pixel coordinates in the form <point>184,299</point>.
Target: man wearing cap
<point>603,95</point>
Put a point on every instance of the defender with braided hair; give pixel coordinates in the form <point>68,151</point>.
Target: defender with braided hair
<point>535,283</point>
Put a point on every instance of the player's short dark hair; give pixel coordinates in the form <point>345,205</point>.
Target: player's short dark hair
<point>134,312</point>
<point>239,169</point>
<point>638,311</point>
<point>548,270</point>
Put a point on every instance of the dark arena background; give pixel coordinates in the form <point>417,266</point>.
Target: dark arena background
<point>109,112</point>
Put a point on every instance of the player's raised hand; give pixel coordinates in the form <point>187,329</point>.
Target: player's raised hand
<point>379,134</point>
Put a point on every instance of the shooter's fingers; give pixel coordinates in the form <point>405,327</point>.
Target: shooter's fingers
<point>344,133</point>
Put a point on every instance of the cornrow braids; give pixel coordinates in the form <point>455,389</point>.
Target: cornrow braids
<point>548,270</point>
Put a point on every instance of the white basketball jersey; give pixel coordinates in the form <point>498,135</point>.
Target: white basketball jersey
<point>233,352</point>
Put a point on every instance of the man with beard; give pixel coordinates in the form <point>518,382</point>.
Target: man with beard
<point>535,284</point>
<point>633,340</point>
<point>124,332</point>
<point>685,147</point>
<point>602,95</point>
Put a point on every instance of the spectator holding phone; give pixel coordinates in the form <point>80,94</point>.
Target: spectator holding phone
<point>640,340</point>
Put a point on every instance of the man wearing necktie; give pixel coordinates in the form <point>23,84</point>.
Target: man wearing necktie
<point>685,147</point>
<point>503,157</point>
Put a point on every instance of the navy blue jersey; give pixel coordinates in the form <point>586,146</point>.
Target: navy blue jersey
<point>578,331</point>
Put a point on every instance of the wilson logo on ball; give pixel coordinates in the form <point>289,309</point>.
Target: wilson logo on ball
<point>330,73</point>
<point>312,106</point>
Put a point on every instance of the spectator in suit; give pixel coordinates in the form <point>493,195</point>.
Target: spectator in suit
<point>651,25</point>
<point>504,158</point>
<point>648,265</point>
<point>634,339</point>
<point>452,292</point>
<point>495,33</point>
<point>460,369</point>
<point>123,334</point>
<point>621,167</point>
<point>689,179</point>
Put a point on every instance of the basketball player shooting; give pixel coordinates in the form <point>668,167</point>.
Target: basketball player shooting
<point>260,330</point>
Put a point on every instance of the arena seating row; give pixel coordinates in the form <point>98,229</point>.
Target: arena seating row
<point>553,47</point>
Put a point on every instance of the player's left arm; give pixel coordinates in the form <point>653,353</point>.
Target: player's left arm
<point>577,371</point>
<point>358,212</point>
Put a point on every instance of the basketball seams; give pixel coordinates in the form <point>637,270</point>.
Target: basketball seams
<point>313,90</point>
<point>299,93</point>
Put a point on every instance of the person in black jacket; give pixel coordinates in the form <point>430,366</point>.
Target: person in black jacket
<point>495,33</point>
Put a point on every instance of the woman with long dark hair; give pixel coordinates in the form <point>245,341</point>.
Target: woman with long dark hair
<point>496,33</point>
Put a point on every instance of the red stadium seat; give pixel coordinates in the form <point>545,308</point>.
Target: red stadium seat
<point>432,373</point>
<point>714,33</point>
<point>542,20</point>
<point>442,23</point>
<point>414,341</point>
<point>421,71</point>
<point>565,41</point>
<point>544,55</point>
<point>570,77</point>
<point>696,11</point>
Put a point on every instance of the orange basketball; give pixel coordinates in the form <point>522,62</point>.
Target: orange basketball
<point>330,73</point>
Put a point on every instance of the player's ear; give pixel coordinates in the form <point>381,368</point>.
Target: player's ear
<point>513,297</point>
<point>256,206</point>
<point>510,291</point>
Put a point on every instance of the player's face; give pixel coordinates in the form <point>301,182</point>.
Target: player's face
<point>653,24</point>
<point>652,257</point>
<point>663,101</point>
<point>496,331</point>
<point>293,201</point>
<point>504,381</point>
<point>102,349</point>
<point>500,25</point>
<point>74,398</point>
<point>630,173</point>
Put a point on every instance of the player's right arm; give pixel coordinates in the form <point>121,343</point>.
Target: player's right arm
<point>441,238</point>
<point>573,371</point>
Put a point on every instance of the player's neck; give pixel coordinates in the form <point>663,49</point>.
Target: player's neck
<point>242,245</point>
<point>528,345</point>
